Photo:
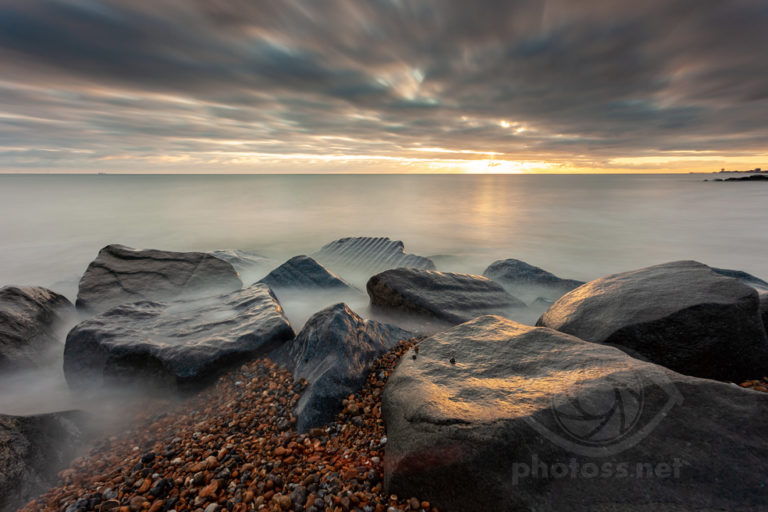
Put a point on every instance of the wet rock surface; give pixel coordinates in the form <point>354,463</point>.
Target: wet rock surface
<point>495,415</point>
<point>681,315</point>
<point>32,450</point>
<point>333,353</point>
<point>369,255</point>
<point>302,272</point>
<point>445,296</point>
<point>522,279</point>
<point>29,319</point>
<point>121,275</point>
<point>234,447</point>
<point>176,343</point>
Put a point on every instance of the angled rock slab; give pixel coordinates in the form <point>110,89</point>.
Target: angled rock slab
<point>528,418</point>
<point>527,281</point>
<point>29,319</point>
<point>304,273</point>
<point>32,450</point>
<point>121,274</point>
<point>178,343</point>
<point>333,353</point>
<point>368,255</point>
<point>681,315</point>
<point>445,296</point>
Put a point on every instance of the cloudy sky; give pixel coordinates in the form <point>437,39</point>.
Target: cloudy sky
<point>383,85</point>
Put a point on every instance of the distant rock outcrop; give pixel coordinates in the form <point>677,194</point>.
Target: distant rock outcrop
<point>121,274</point>
<point>368,255</point>
<point>29,318</point>
<point>304,273</point>
<point>445,296</point>
<point>333,352</point>
<point>175,344</point>
<point>681,315</point>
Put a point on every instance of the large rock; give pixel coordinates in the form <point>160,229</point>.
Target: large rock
<point>368,255</point>
<point>333,352</point>
<point>529,418</point>
<point>445,296</point>
<point>304,273</point>
<point>30,317</point>
<point>175,344</point>
<point>681,315</point>
<point>32,450</point>
<point>745,277</point>
<point>121,274</point>
<point>524,280</point>
<point>764,309</point>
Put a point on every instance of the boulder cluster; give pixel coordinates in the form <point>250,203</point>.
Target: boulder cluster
<point>620,396</point>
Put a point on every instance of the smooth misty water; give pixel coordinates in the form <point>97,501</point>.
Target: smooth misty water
<point>578,227</point>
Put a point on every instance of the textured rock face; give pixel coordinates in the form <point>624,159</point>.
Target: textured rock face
<point>302,272</point>
<point>530,418</point>
<point>121,274</point>
<point>445,296</point>
<point>177,343</point>
<point>522,280</point>
<point>764,310</point>
<point>333,353</point>
<point>32,450</point>
<point>29,317</point>
<point>368,254</point>
<point>681,315</point>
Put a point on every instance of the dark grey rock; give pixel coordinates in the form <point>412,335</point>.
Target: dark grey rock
<point>121,274</point>
<point>368,254</point>
<point>522,279</point>
<point>302,272</point>
<point>33,449</point>
<point>746,278</point>
<point>533,419</point>
<point>29,320</point>
<point>445,296</point>
<point>681,315</point>
<point>333,353</point>
<point>764,310</point>
<point>178,343</point>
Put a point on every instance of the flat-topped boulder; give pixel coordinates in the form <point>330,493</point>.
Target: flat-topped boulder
<point>681,315</point>
<point>304,273</point>
<point>525,280</point>
<point>368,255</point>
<point>30,317</point>
<point>33,449</point>
<point>121,274</point>
<point>496,415</point>
<point>175,344</point>
<point>445,296</point>
<point>333,353</point>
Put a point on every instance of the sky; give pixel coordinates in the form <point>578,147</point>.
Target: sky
<point>376,86</point>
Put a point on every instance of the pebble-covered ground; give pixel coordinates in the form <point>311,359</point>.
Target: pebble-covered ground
<point>234,448</point>
<point>756,384</point>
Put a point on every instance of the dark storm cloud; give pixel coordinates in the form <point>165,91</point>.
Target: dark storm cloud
<point>532,80</point>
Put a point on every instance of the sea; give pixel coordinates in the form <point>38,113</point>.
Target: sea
<point>576,226</point>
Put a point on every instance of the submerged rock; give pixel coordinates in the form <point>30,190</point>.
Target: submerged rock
<point>246,263</point>
<point>369,255</point>
<point>681,315</point>
<point>746,278</point>
<point>176,343</point>
<point>121,274</point>
<point>29,318</point>
<point>302,272</point>
<point>495,415</point>
<point>520,278</point>
<point>333,352</point>
<point>445,296</point>
<point>33,449</point>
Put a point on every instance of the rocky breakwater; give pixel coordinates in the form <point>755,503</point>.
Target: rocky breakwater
<point>332,353</point>
<point>121,274</point>
<point>175,343</point>
<point>495,415</point>
<point>681,315</point>
<point>442,296</point>
<point>30,317</point>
